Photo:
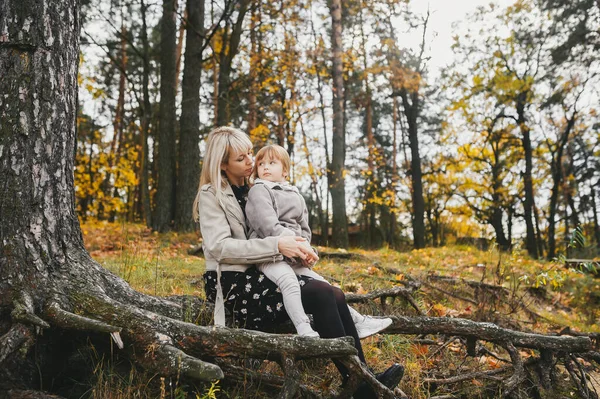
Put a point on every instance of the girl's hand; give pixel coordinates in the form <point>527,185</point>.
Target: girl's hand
<point>292,247</point>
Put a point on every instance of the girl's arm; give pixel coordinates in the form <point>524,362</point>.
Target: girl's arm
<point>261,215</point>
<point>218,242</point>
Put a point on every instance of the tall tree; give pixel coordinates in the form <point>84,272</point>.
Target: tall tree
<point>336,170</point>
<point>407,81</point>
<point>189,152</point>
<point>164,212</point>
<point>47,279</point>
<point>231,36</point>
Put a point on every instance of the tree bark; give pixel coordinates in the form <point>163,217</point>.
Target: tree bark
<point>228,52</point>
<point>528,203</point>
<point>145,121</point>
<point>557,180</point>
<point>335,171</point>
<point>189,152</point>
<point>164,212</point>
<point>410,102</point>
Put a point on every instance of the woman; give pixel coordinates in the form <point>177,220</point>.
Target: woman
<point>231,280</point>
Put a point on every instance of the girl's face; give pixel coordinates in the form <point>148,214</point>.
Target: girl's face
<point>238,167</point>
<point>271,169</point>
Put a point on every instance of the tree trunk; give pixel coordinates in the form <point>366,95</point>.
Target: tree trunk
<point>145,122</point>
<point>189,152</point>
<point>228,52</point>
<point>335,171</point>
<point>593,194</point>
<point>254,65</point>
<point>164,212</point>
<point>557,181</point>
<point>528,203</point>
<point>411,110</point>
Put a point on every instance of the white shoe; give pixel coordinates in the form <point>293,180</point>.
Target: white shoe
<point>306,330</point>
<point>368,325</point>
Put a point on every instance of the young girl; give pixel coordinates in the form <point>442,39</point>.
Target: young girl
<point>276,208</point>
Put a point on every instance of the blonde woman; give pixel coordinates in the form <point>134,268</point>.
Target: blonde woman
<point>232,282</point>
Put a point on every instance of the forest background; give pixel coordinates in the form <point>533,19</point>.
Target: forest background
<point>502,143</point>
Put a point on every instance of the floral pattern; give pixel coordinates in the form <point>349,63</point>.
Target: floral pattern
<point>254,301</point>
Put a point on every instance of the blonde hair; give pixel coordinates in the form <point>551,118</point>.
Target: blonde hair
<point>272,151</point>
<point>220,144</point>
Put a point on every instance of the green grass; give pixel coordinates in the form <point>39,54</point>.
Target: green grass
<point>159,265</point>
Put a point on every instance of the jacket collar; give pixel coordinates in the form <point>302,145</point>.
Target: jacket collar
<point>277,185</point>
<point>233,206</point>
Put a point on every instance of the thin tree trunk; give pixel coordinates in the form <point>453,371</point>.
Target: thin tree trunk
<point>393,221</point>
<point>557,181</point>
<point>335,175</point>
<point>228,52</point>
<point>164,213</point>
<point>254,64</point>
<point>411,110</point>
<point>371,183</point>
<point>180,36</point>
<point>528,204</point>
<point>189,152</point>
<point>145,122</point>
<point>593,194</point>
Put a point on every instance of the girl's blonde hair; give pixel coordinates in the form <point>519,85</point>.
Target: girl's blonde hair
<point>220,144</point>
<point>272,151</point>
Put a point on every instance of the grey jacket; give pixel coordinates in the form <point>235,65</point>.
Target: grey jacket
<point>275,209</point>
<point>224,242</point>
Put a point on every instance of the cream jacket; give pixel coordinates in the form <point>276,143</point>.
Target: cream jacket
<point>223,229</point>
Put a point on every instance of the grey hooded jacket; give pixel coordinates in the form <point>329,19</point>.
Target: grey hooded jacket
<point>276,209</point>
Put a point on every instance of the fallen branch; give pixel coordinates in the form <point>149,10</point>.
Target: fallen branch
<point>385,293</point>
<point>485,331</point>
<point>488,375</point>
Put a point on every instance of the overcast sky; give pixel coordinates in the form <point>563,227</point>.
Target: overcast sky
<point>443,14</point>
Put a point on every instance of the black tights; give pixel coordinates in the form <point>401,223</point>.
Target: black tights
<point>331,315</point>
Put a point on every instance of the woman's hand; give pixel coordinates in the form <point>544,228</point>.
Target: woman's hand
<point>293,247</point>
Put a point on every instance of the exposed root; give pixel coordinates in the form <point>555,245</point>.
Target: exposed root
<point>16,338</point>
<point>355,366</point>
<point>487,332</point>
<point>240,374</point>
<point>579,379</point>
<point>290,385</point>
<point>519,370</point>
<point>488,375</point>
<point>168,359</point>
<point>21,394</point>
<point>24,312</point>
<point>392,292</point>
<point>67,320</point>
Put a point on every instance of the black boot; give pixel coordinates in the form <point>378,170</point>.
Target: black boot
<point>389,378</point>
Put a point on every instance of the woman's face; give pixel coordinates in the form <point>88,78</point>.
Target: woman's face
<point>238,167</point>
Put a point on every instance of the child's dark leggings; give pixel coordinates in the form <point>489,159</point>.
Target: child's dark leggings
<point>331,316</point>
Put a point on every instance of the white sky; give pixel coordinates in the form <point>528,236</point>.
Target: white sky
<point>443,13</point>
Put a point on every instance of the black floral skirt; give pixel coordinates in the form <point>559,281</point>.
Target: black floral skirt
<point>254,301</point>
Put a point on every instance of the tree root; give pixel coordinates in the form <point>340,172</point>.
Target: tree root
<point>579,379</point>
<point>392,292</point>
<point>16,338</point>
<point>166,358</point>
<point>519,370</point>
<point>240,374</point>
<point>487,332</point>
<point>355,366</point>
<point>67,320</point>
<point>488,375</point>
<point>24,312</point>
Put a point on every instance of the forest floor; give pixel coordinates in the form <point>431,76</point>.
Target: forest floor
<point>541,297</point>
